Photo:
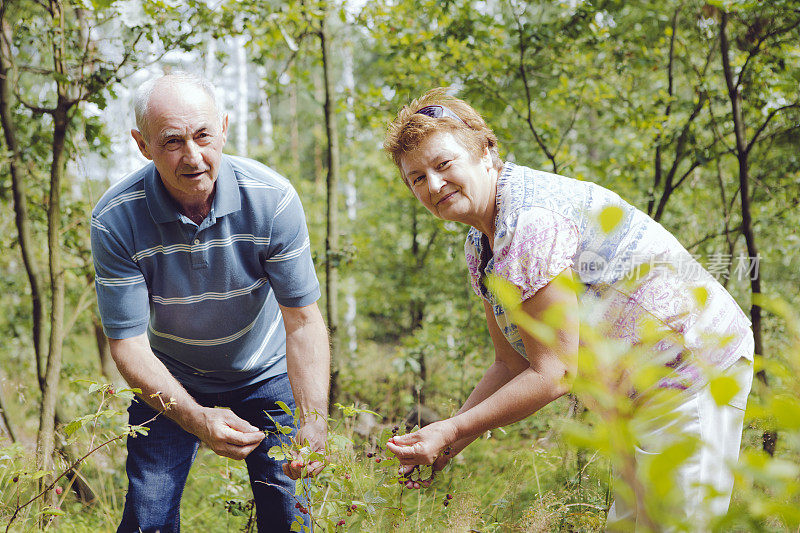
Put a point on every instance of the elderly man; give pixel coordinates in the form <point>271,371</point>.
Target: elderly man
<point>208,294</point>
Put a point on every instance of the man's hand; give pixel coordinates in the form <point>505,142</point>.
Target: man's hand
<point>225,433</point>
<point>311,436</point>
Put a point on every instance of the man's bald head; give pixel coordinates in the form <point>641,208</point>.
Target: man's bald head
<point>144,93</point>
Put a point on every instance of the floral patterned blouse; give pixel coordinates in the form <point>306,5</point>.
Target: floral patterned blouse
<point>634,272</point>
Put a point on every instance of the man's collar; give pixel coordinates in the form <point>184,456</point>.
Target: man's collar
<point>164,209</point>
<point>227,199</point>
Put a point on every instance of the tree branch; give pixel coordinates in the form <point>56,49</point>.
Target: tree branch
<point>766,122</point>
<point>529,116</point>
<point>726,231</point>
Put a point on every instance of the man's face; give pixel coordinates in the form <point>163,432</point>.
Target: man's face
<point>184,140</point>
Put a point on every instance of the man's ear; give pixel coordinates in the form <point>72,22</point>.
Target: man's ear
<point>224,128</point>
<point>140,142</point>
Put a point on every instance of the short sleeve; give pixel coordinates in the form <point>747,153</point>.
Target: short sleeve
<point>289,265</point>
<point>472,254</point>
<point>122,294</point>
<point>536,246</point>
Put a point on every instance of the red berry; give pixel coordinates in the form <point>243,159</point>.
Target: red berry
<point>353,507</point>
<point>111,390</point>
<point>297,505</point>
<point>449,496</point>
<point>377,459</point>
<point>59,490</point>
<point>340,522</point>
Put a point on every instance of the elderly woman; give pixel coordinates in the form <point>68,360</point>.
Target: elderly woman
<point>534,230</point>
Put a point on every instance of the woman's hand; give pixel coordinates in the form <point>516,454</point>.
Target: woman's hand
<point>423,447</point>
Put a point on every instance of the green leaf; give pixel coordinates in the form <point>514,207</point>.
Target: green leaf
<point>663,465</point>
<point>125,395</point>
<point>610,217</point>
<point>786,410</point>
<point>507,293</point>
<point>38,474</point>
<point>723,389</point>
<point>139,430</point>
<point>700,295</point>
<point>352,410</point>
<point>72,427</point>
<point>315,456</point>
<point>285,407</point>
<point>277,453</point>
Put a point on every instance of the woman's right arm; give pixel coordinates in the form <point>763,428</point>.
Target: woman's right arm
<point>508,363</point>
<point>513,388</point>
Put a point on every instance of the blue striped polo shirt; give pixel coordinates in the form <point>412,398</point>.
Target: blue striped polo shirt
<point>206,295</point>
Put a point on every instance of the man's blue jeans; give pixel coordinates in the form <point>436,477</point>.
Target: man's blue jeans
<point>159,462</point>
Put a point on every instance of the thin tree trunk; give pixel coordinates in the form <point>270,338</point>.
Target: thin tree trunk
<point>670,91</point>
<point>45,441</point>
<point>331,212</point>
<point>107,365</point>
<point>769,438</point>
<point>6,422</point>
<point>351,197</point>
<point>209,69</point>
<point>417,313</point>
<point>47,371</point>
<point>423,379</point>
<point>265,117</point>
<point>294,131</point>
<point>241,96</point>
<point>20,196</point>
<point>319,94</point>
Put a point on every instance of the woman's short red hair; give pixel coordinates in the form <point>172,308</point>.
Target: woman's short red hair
<point>409,128</point>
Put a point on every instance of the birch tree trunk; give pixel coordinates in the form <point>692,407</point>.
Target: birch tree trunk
<point>241,96</point>
<point>351,196</point>
<point>265,116</point>
<point>294,130</point>
<point>331,210</point>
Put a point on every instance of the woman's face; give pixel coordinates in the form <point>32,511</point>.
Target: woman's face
<point>450,182</point>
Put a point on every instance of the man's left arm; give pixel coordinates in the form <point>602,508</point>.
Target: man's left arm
<point>308,364</point>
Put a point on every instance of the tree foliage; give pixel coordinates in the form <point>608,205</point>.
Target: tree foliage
<point>687,109</point>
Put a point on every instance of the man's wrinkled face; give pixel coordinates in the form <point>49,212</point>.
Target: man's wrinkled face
<point>184,140</point>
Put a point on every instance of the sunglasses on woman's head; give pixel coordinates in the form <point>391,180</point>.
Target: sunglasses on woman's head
<point>439,111</point>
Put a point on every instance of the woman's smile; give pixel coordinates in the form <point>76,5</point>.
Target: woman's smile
<point>451,182</point>
<point>446,198</point>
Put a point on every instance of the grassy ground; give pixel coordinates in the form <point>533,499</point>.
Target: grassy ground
<point>522,478</point>
<point>519,479</point>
